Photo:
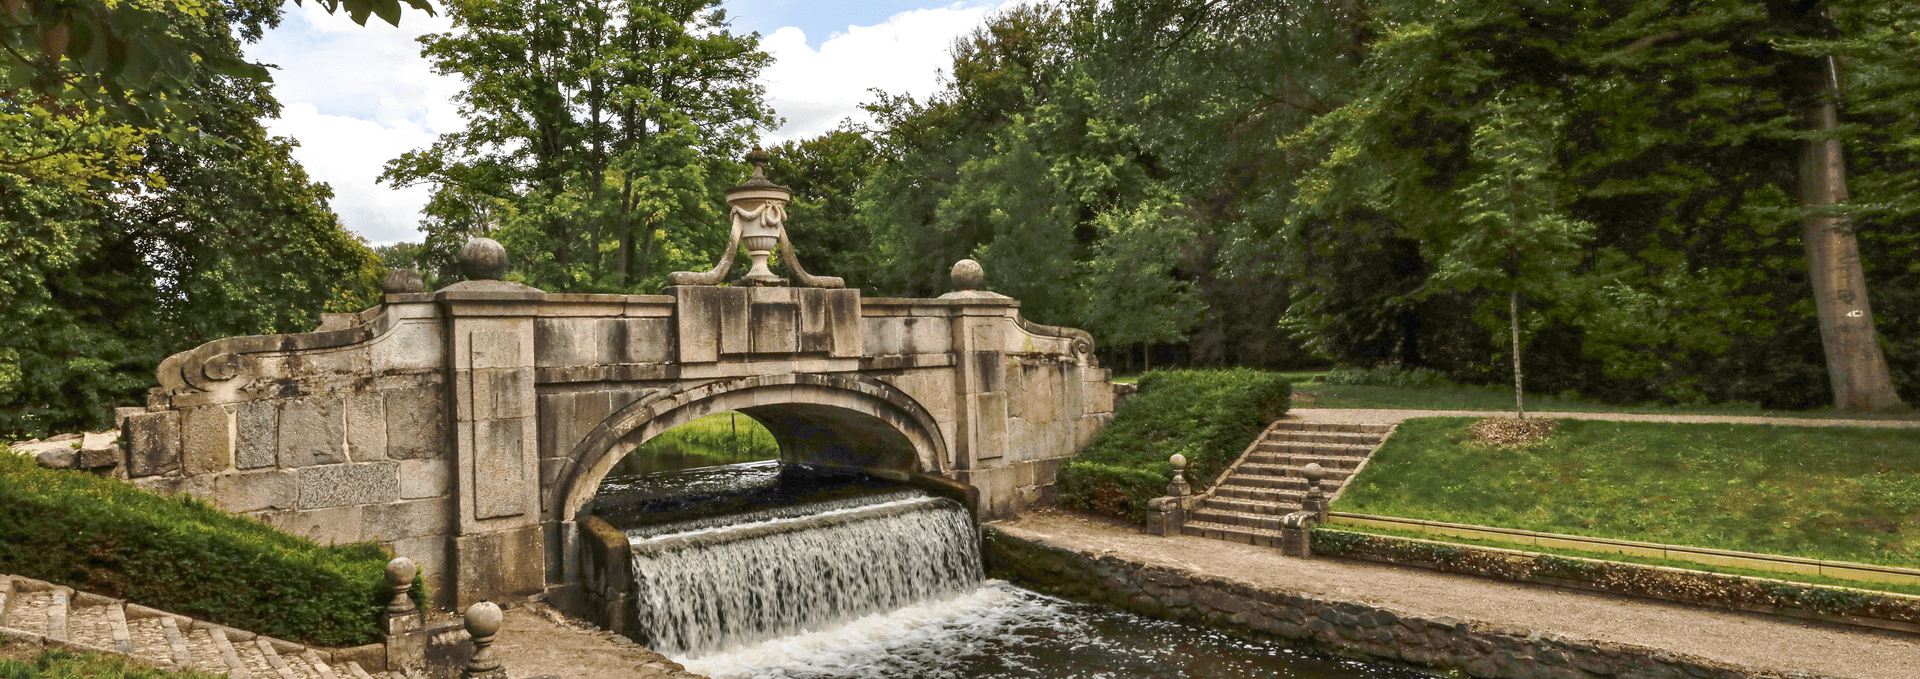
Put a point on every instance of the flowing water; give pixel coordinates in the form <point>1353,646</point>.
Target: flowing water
<point>810,574</point>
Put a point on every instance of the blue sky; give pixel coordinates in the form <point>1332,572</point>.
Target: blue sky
<point>355,96</point>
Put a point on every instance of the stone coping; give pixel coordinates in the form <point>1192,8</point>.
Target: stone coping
<point>1771,563</point>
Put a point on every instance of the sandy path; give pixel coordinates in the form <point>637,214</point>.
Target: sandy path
<point>1726,637</point>
<point>536,640</point>
<point>1390,416</point>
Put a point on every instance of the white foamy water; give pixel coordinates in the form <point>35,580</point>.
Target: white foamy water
<point>718,589</point>
<point>931,639</point>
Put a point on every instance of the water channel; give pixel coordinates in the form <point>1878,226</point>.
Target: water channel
<point>760,569</point>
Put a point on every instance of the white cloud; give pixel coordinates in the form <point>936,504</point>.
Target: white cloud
<point>815,89</point>
<point>347,153</point>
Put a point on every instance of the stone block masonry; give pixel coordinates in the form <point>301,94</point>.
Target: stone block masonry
<point>1428,641</point>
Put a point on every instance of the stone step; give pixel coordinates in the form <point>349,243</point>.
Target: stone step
<point>1326,449</point>
<point>1323,437</point>
<point>1259,494</point>
<point>58,605</point>
<point>1278,482</point>
<point>90,622</point>
<point>6,597</point>
<point>149,640</point>
<point>1251,506</point>
<point>1328,462</point>
<point>320,667</point>
<point>206,653</point>
<point>27,611</point>
<point>353,668</point>
<point>1267,522</point>
<point>1333,478</point>
<point>1334,427</point>
<point>230,655</point>
<point>1232,533</point>
<point>280,666</point>
<point>183,655</point>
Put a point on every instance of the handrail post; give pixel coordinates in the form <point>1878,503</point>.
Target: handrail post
<point>401,622</point>
<point>483,622</point>
<point>1166,514</point>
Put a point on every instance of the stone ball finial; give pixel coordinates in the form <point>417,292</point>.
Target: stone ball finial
<point>403,281</point>
<point>1179,461</point>
<point>483,259</point>
<point>1313,471</point>
<point>400,571</point>
<point>483,619</point>
<point>967,275</point>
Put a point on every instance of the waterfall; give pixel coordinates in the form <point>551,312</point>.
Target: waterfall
<point>718,584</point>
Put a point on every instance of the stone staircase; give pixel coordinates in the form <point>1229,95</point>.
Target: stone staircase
<point>1267,483</point>
<point>63,617</point>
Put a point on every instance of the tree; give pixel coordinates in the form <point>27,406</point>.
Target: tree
<point>598,133</point>
<point>124,246</point>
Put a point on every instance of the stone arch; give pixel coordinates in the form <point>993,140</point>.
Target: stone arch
<point>842,420</point>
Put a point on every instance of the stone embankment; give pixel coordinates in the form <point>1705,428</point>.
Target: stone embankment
<point>1485,629</point>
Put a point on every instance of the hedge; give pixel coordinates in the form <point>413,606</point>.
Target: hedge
<point>1209,416</point>
<point>183,555</point>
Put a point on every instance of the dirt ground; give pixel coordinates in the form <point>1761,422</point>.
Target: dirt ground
<point>536,641</point>
<point>1726,637</point>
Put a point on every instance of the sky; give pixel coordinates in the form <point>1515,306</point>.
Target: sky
<point>356,96</point>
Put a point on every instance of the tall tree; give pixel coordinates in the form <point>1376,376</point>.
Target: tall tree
<point>596,128</point>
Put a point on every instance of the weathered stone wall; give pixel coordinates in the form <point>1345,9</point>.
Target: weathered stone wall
<point>465,428</point>
<point>1435,642</point>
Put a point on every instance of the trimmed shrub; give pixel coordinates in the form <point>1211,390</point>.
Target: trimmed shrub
<point>1207,415</point>
<point>185,556</point>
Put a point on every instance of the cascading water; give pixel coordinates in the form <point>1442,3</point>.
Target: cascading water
<point>726,582</point>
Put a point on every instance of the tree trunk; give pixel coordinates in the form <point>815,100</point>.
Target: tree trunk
<point>1513,312</point>
<point>1856,367</point>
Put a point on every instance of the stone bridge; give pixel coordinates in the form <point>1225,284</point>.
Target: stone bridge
<point>464,428</point>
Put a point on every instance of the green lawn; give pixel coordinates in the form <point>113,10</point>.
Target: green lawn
<point>1501,399</point>
<point>1850,494</point>
<point>20,661</point>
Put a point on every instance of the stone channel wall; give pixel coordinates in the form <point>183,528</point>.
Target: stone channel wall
<point>1433,642</point>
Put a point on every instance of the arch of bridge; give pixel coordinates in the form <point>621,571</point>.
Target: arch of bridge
<point>841,420</point>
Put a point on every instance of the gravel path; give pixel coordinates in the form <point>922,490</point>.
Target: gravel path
<point>1387,416</point>
<point>1726,637</point>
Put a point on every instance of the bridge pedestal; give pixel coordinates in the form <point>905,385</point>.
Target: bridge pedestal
<point>499,547</point>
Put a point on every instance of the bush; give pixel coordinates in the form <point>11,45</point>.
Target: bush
<point>185,556</point>
<point>1207,415</point>
<point>1387,376</point>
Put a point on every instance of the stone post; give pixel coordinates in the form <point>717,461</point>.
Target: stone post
<point>1296,538</point>
<point>500,548</point>
<point>1316,500</point>
<point>406,637</point>
<point>483,621</point>
<point>1165,515</point>
<point>979,321</point>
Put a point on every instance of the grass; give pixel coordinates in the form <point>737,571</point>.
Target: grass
<point>23,661</point>
<point>1501,399</point>
<point>1834,493</point>
<point>728,436</point>
<point>1630,558</point>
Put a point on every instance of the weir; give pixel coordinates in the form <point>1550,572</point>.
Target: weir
<point>721,585</point>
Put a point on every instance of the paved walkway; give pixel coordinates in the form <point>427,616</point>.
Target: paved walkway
<point>1726,637</point>
<point>1389,416</point>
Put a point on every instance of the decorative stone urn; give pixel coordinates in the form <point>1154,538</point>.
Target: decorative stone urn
<point>759,222</point>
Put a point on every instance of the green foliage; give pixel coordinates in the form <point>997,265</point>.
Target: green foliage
<point>1209,416</point>
<point>123,246</point>
<point>183,555</point>
<point>60,663</point>
<point>1387,376</point>
<point>729,436</point>
<point>1840,493</point>
<point>599,163</point>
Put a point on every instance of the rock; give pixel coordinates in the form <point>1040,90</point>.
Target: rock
<point>58,458</point>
